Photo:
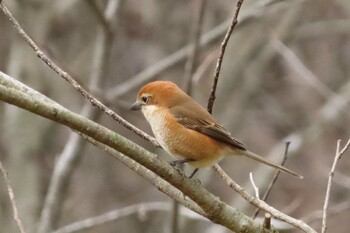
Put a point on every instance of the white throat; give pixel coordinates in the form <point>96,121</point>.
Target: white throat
<point>151,113</point>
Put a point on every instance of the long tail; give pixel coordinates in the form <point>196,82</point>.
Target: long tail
<point>271,164</point>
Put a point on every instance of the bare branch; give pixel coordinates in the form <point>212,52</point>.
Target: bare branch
<point>261,204</point>
<point>256,189</point>
<point>74,83</point>
<point>12,198</point>
<point>221,56</point>
<point>267,221</point>
<point>345,148</point>
<point>338,155</point>
<point>274,179</point>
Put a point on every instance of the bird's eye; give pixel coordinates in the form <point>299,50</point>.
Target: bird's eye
<point>144,99</point>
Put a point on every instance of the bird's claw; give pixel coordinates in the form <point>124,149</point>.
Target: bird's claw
<point>173,163</point>
<point>179,170</point>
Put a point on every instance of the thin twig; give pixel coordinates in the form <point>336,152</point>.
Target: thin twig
<point>274,179</point>
<point>12,198</point>
<point>221,56</point>
<point>261,204</point>
<point>256,189</point>
<point>191,61</point>
<point>267,221</point>
<point>74,83</point>
<point>338,156</point>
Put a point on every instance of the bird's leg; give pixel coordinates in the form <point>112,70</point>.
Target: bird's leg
<point>194,172</point>
<point>180,162</point>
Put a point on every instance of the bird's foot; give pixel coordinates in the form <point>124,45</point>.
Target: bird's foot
<point>177,164</point>
<point>174,163</point>
<point>179,170</point>
<point>180,162</point>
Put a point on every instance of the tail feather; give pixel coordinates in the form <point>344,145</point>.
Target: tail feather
<point>271,164</point>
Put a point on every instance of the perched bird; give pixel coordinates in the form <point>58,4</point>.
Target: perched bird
<point>186,130</point>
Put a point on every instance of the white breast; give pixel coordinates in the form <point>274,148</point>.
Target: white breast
<point>159,127</point>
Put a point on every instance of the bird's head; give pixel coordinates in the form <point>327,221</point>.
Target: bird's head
<point>160,94</point>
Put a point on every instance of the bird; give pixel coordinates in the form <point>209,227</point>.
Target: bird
<point>187,131</point>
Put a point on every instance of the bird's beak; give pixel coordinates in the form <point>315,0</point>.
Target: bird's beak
<point>136,106</point>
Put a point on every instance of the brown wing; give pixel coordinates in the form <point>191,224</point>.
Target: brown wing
<point>206,125</point>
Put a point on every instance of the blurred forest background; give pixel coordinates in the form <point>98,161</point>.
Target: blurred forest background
<point>285,77</point>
